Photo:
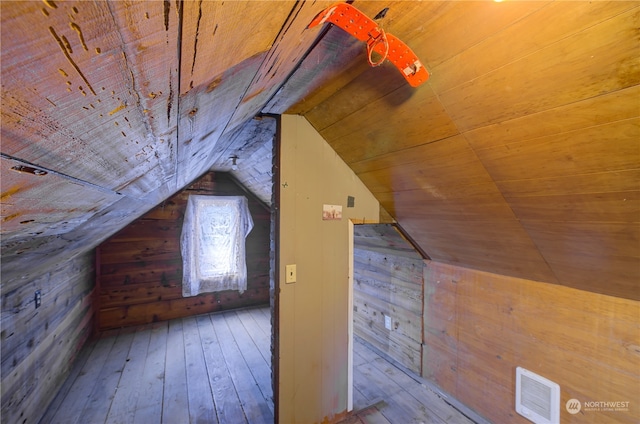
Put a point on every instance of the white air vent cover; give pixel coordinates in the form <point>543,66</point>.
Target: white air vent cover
<point>537,398</point>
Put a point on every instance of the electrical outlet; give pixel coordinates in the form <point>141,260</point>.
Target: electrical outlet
<point>38,298</point>
<point>387,322</point>
<point>291,274</point>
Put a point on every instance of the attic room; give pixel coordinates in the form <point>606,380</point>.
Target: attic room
<point>483,241</point>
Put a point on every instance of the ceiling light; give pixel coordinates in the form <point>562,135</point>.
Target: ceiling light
<point>234,165</point>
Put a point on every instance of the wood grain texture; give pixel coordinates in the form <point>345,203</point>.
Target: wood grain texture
<point>141,266</point>
<point>215,36</point>
<point>388,283</point>
<point>399,392</point>
<point>26,205</point>
<point>522,37</point>
<point>196,369</point>
<point>478,328</point>
<point>610,107</point>
<point>558,74</point>
<point>225,44</point>
<point>87,82</point>
<point>252,144</point>
<point>39,345</point>
<point>579,203</point>
<point>528,124</point>
<point>289,47</point>
<point>91,93</point>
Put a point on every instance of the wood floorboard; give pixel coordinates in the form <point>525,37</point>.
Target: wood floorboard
<point>248,391</point>
<point>201,408</point>
<point>123,406</point>
<point>378,385</point>
<point>175,403</point>
<point>258,366</point>
<point>417,392</point>
<point>216,368</point>
<point>65,404</point>
<point>399,396</point>
<point>225,396</point>
<point>359,400</point>
<point>204,369</point>
<point>104,389</point>
<point>256,332</point>
<point>261,320</point>
<point>152,383</point>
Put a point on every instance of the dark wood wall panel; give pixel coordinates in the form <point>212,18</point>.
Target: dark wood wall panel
<point>39,345</point>
<point>140,274</point>
<point>478,327</point>
<point>388,282</point>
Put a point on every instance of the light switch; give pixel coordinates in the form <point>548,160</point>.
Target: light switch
<point>291,274</point>
<point>387,322</point>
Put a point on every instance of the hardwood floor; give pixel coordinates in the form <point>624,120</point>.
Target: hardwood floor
<point>213,368</point>
<point>385,394</point>
<point>216,368</point>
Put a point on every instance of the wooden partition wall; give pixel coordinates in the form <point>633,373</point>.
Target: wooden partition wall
<point>388,286</point>
<point>40,344</point>
<point>313,321</point>
<point>140,268</point>
<point>480,326</point>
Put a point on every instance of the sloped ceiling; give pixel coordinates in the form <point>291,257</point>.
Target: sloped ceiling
<point>519,156</point>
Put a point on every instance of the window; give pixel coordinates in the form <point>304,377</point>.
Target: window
<point>213,244</point>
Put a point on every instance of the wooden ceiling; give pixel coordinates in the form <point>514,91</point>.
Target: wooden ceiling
<point>519,156</point>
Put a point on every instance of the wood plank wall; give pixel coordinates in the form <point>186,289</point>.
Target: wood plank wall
<point>520,155</point>
<point>479,327</point>
<point>388,282</point>
<point>39,345</point>
<point>140,268</point>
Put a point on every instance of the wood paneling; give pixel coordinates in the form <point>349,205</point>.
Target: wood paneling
<point>522,37</point>
<point>375,137</point>
<point>567,153</point>
<point>87,81</point>
<point>86,96</point>
<point>483,244</point>
<point>208,23</point>
<point>580,66</point>
<point>39,345</point>
<point>579,251</point>
<point>26,207</point>
<point>342,59</point>
<point>610,107</point>
<point>253,146</point>
<point>93,93</point>
<point>524,137</point>
<point>576,195</point>
<point>480,326</point>
<point>140,273</point>
<point>221,70</point>
<point>434,30</point>
<point>388,283</point>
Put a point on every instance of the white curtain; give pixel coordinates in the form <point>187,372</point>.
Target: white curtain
<point>213,244</point>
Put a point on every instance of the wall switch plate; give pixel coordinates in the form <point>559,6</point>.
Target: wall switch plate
<point>38,298</point>
<point>291,274</point>
<point>387,322</point>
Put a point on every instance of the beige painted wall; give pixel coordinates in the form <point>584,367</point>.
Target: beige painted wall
<point>313,311</point>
